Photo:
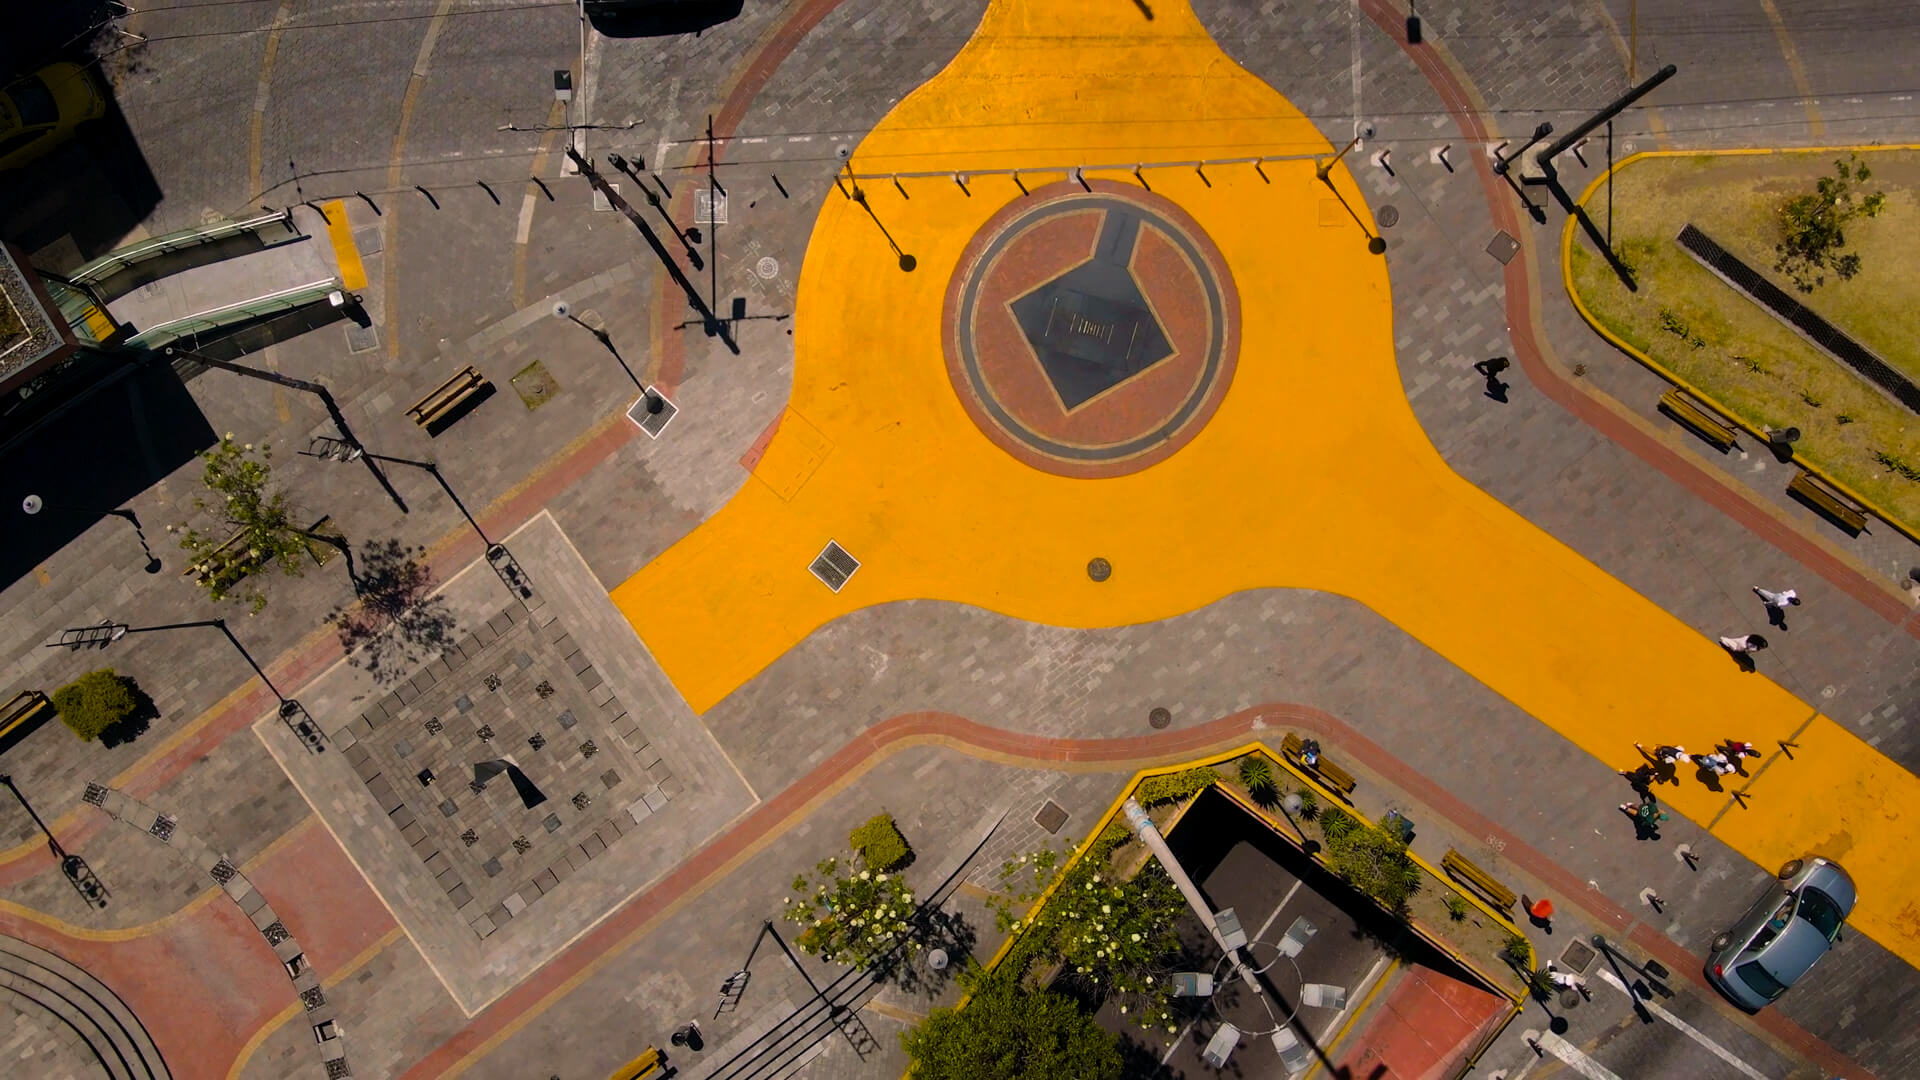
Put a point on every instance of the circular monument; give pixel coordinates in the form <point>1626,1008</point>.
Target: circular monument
<point>1091,333</point>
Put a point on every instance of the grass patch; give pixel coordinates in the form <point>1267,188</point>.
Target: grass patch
<point>1738,354</point>
<point>535,385</point>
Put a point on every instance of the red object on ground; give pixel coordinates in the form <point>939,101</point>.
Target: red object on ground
<point>1541,909</point>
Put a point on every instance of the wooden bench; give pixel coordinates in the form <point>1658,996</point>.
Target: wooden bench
<point>1459,868</point>
<point>1333,775</point>
<point>1698,419</point>
<point>1818,497</point>
<point>650,1064</point>
<point>451,400</point>
<point>23,714</point>
<point>225,560</point>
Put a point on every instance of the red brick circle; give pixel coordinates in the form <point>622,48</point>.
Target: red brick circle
<point>1146,416</point>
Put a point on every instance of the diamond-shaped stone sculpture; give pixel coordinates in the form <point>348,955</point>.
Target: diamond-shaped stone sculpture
<point>1091,328</point>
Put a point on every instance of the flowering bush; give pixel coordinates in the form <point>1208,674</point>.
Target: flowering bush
<point>242,497</point>
<point>1112,937</point>
<point>849,917</point>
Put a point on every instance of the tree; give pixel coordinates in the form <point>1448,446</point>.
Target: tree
<point>96,702</point>
<point>1113,937</point>
<point>849,918</point>
<point>258,524</point>
<point>1813,226</point>
<point>1372,859</point>
<point>1006,1032</point>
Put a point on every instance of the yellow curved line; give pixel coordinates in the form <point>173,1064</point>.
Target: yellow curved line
<point>1566,277</point>
<point>260,96</point>
<point>1794,67</point>
<point>266,1030</point>
<point>146,929</point>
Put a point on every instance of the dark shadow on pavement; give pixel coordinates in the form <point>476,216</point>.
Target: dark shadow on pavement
<point>395,623</point>
<point>104,431</point>
<point>654,18</point>
<point>135,723</point>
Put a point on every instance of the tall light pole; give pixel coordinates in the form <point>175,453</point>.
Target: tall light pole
<point>1323,171</point>
<point>75,868</point>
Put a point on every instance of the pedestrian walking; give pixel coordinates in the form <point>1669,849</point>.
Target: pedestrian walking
<point>1718,763</point>
<point>1736,749</point>
<point>1665,755</point>
<point>1780,601</point>
<point>1745,643</point>
<point>1567,980</point>
<point>1647,816</point>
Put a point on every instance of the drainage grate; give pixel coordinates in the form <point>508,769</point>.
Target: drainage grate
<point>95,794</point>
<point>1099,569</point>
<point>1051,816</point>
<point>1388,217</point>
<point>834,566</point>
<point>275,933</point>
<point>224,870</point>
<point>1795,314</point>
<point>647,417</point>
<point>163,828</point>
<point>1158,718</point>
<point>1503,247</point>
<point>1576,956</point>
<point>313,997</point>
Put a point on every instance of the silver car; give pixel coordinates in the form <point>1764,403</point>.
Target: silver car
<point>1789,927</point>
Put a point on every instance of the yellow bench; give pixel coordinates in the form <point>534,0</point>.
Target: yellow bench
<point>23,713</point>
<point>1335,777</point>
<point>1459,868</point>
<point>1822,500</point>
<point>451,400</point>
<point>1698,419</point>
<point>650,1063</point>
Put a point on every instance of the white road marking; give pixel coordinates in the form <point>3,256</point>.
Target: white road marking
<point>1577,1061</point>
<point>1687,1029</point>
<point>1262,932</point>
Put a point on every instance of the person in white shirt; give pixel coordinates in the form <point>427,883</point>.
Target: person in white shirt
<point>1746,643</point>
<point>1781,600</point>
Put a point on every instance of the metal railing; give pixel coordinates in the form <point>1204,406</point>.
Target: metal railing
<point>113,262</point>
<point>245,311</point>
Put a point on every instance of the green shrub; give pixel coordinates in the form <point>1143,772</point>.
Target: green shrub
<point>1517,951</point>
<point>95,702</point>
<point>1256,775</point>
<point>1336,823</point>
<point>1372,859</point>
<point>1309,804</point>
<point>1457,907</point>
<point>880,844</point>
<point>1165,789</point>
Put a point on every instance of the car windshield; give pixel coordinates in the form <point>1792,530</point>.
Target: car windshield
<point>1759,981</point>
<point>34,101</point>
<point>1819,909</point>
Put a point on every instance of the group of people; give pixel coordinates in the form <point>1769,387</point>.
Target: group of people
<point>1728,757</point>
<point>1777,604</point>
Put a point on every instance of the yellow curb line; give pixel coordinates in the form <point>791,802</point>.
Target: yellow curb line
<point>261,95</point>
<point>1566,277</point>
<point>346,254</point>
<point>266,1030</point>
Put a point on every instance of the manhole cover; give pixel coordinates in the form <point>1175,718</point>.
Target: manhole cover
<point>766,268</point>
<point>1389,216</point>
<point>1158,718</point>
<point>1099,569</point>
<point>1577,955</point>
<point>1503,247</point>
<point>1051,816</point>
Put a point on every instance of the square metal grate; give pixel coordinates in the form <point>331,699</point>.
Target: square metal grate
<point>643,417</point>
<point>834,566</point>
<point>1051,817</point>
<point>1503,247</point>
<point>95,794</point>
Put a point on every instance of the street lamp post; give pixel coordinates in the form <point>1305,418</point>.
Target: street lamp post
<point>32,505</point>
<point>76,870</point>
<point>291,712</point>
<point>1323,172</point>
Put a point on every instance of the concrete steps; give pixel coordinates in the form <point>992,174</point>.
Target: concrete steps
<point>51,986</point>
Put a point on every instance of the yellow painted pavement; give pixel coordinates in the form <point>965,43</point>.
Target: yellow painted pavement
<point>1313,474</point>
